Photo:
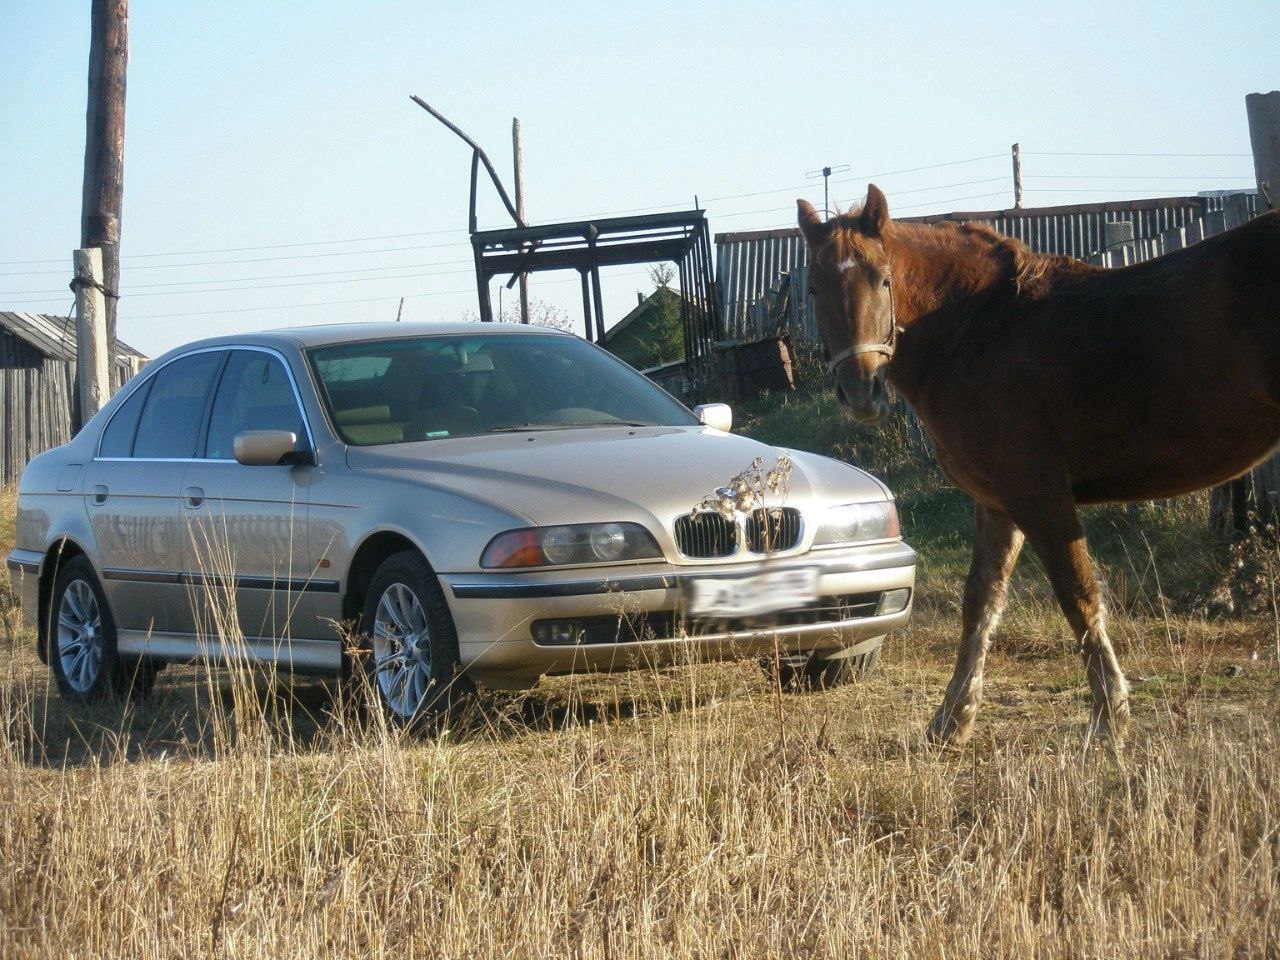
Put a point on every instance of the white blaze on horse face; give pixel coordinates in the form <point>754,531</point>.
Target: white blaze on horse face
<point>845,265</point>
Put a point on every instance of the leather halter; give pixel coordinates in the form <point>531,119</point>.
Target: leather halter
<point>886,346</point>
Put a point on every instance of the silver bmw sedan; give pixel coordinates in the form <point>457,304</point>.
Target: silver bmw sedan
<point>436,505</point>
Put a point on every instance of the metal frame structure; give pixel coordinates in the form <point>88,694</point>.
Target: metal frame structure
<point>682,238</point>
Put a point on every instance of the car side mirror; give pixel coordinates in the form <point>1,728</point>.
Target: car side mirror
<point>718,416</point>
<point>267,448</point>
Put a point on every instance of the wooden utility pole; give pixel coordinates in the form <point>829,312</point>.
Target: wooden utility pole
<point>1017,175</point>
<point>104,146</point>
<point>93,362</point>
<point>1264,136</point>
<point>517,153</point>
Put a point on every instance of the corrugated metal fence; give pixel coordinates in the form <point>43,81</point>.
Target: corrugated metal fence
<point>762,275</point>
<point>1235,211</point>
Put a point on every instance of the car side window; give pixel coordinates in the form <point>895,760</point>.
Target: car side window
<point>171,419</point>
<point>254,394</point>
<point>117,438</point>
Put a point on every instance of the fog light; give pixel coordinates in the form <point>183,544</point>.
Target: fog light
<point>560,633</point>
<point>893,601</point>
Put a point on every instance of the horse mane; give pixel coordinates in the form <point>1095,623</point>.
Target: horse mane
<point>1030,274</point>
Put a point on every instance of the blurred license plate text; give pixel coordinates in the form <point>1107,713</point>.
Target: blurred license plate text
<point>751,596</point>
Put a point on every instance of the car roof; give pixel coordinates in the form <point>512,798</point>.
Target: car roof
<point>334,333</point>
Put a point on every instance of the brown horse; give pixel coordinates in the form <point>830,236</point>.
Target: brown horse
<point>1044,383</point>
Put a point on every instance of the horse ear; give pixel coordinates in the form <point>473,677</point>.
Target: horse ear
<point>810,222</point>
<point>875,212</point>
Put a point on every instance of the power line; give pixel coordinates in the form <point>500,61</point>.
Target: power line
<point>270,286</point>
<point>720,199</point>
<point>279,276</point>
<point>322,303</point>
<point>1068,153</point>
<point>401,236</point>
<point>1090,176</point>
<point>212,263</point>
<point>268,246</point>
<point>806,186</point>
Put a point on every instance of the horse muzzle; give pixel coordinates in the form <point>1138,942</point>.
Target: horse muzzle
<point>863,397</point>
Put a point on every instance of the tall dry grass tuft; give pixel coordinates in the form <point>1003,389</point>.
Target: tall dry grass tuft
<point>689,812</point>
<point>674,832</point>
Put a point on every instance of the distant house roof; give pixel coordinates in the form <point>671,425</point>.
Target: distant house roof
<point>56,337</point>
<point>640,310</point>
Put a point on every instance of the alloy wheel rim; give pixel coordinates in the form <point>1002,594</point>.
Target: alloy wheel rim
<point>402,650</point>
<point>79,636</point>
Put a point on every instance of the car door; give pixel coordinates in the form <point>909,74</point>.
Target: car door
<point>246,526</point>
<point>132,493</point>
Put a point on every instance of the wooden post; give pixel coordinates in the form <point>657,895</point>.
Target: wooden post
<point>103,191</point>
<point>1259,490</point>
<point>517,153</point>
<point>1017,176</point>
<point>93,382</point>
<point>1264,136</point>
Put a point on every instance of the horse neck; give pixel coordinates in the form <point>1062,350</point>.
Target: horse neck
<point>942,278</point>
<point>937,271</point>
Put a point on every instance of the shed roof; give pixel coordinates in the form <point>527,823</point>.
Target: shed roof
<point>56,337</point>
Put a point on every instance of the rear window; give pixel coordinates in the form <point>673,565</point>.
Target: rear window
<point>117,438</point>
<point>174,411</point>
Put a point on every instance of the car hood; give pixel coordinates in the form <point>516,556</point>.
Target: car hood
<point>612,473</point>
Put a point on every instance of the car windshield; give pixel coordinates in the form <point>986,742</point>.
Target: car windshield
<point>431,388</point>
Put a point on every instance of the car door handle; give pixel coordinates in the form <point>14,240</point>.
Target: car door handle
<point>193,497</point>
<point>99,493</point>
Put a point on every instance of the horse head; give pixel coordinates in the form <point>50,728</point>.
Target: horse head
<point>849,279</point>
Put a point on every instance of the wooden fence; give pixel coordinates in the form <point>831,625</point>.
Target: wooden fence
<point>38,401</point>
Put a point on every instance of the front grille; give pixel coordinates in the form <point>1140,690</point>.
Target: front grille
<point>770,529</point>
<point>706,535</point>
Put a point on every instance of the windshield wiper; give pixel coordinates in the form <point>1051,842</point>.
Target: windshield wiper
<point>530,427</point>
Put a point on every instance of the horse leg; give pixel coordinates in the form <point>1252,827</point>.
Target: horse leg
<point>996,544</point>
<point>1058,539</point>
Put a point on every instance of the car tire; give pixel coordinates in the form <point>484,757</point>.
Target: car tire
<point>407,646</point>
<point>81,642</point>
<point>819,672</point>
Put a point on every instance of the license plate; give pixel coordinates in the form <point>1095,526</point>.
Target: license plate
<point>752,596</point>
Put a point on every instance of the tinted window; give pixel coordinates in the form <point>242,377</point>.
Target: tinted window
<point>170,422</point>
<point>117,438</point>
<point>254,394</point>
<point>429,388</point>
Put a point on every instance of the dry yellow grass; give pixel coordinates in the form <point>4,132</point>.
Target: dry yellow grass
<point>683,813</point>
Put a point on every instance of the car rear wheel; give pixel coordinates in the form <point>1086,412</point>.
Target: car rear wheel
<point>817,672</point>
<point>408,644</point>
<point>82,642</point>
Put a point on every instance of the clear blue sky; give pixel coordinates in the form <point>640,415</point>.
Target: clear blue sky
<point>258,123</point>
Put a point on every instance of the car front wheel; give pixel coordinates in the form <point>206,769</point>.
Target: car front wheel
<point>408,644</point>
<point>82,642</point>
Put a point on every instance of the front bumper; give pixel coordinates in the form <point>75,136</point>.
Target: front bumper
<point>24,574</point>
<point>494,613</point>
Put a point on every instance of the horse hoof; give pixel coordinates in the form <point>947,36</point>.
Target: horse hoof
<point>950,727</point>
<point>1109,726</point>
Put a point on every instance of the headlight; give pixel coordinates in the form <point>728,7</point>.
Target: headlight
<point>573,543</point>
<point>859,522</point>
